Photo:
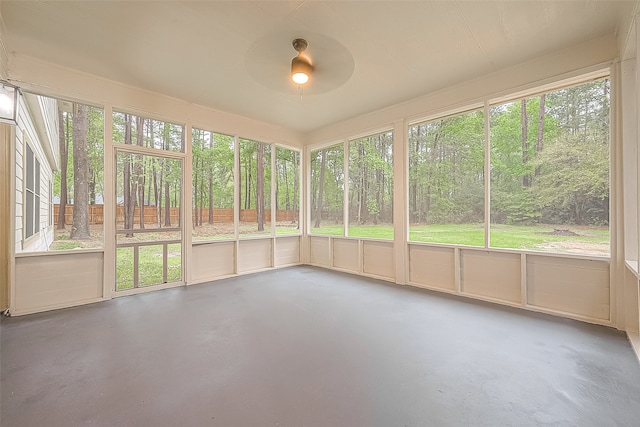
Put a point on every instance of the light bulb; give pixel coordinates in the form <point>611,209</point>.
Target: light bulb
<point>300,78</point>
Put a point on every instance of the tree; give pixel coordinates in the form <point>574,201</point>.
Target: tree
<point>80,226</point>
<point>129,201</point>
<point>63,139</point>
<point>139,171</point>
<point>167,184</point>
<point>260,186</point>
<point>539,140</point>
<point>323,165</point>
<point>526,179</point>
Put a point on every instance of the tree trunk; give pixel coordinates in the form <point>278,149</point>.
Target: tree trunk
<point>156,194</point>
<point>126,179</point>
<point>167,204</point>
<point>195,194</point>
<point>526,179</point>
<point>201,191</point>
<point>80,226</point>
<point>539,142</point>
<point>260,186</point>
<point>323,164</point>
<point>138,170</point>
<point>64,164</point>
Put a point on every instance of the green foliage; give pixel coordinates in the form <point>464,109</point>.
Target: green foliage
<point>575,186</point>
<point>446,163</point>
<point>332,204</point>
<point>371,179</point>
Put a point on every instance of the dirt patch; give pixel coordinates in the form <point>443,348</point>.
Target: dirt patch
<point>559,232</point>
<point>582,248</point>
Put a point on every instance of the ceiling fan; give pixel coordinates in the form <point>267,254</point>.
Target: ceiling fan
<point>321,65</point>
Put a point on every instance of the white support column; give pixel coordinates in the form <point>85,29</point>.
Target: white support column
<point>457,273</point>
<point>616,207</point>
<point>273,204</point>
<point>9,137</point>
<point>109,194</point>
<point>523,279</point>
<point>400,205</point>
<point>187,203</point>
<point>487,175</point>
<point>304,204</point>
<point>345,196</point>
<point>236,201</point>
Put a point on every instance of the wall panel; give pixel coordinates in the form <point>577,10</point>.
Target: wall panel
<point>212,260</point>
<point>378,259</point>
<point>631,300</point>
<point>254,254</point>
<point>319,251</point>
<point>54,281</point>
<point>433,267</point>
<point>346,254</point>
<point>494,275</point>
<point>574,286</point>
<point>287,250</point>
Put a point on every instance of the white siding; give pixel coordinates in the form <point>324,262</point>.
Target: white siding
<point>26,133</point>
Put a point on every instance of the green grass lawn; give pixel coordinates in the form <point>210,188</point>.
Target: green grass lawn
<point>149,266</point>
<point>588,240</point>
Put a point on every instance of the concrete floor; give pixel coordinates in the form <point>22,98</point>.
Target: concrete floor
<point>309,347</point>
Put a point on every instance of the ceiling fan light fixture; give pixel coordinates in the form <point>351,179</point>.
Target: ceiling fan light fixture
<point>301,68</point>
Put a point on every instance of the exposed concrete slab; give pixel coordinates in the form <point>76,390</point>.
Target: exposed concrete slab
<point>309,347</point>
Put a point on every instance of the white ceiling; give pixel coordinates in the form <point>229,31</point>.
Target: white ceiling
<point>225,55</point>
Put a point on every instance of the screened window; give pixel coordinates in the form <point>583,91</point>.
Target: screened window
<point>446,180</point>
<point>146,132</point>
<point>550,171</point>
<point>327,190</point>
<point>287,191</point>
<point>212,177</point>
<point>32,194</point>
<point>371,186</point>
<point>255,188</point>
<point>78,184</point>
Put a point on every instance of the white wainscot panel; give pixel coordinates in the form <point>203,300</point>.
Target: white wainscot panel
<point>212,260</point>
<point>378,259</point>
<point>254,254</point>
<point>433,267</point>
<point>287,250</point>
<point>346,254</point>
<point>568,285</point>
<point>55,281</point>
<point>493,275</point>
<point>631,291</point>
<point>319,251</point>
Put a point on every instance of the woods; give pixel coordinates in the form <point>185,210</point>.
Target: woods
<point>79,179</point>
<point>549,166</point>
<point>147,180</point>
<point>549,162</point>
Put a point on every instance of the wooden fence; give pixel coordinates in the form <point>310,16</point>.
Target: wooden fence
<point>96,215</point>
